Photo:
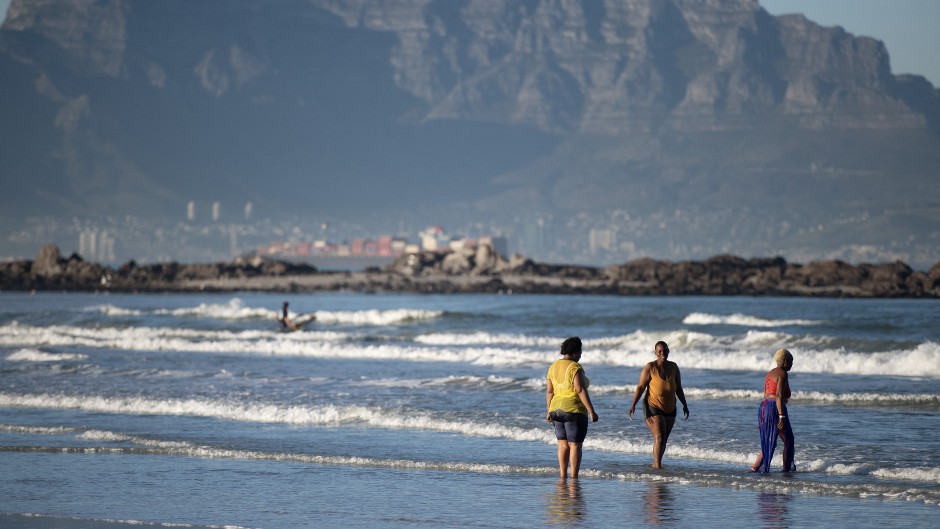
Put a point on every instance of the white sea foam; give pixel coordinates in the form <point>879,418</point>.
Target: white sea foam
<point>695,393</point>
<point>909,474</point>
<point>921,474</point>
<point>111,310</point>
<point>35,355</point>
<point>399,420</point>
<point>701,318</point>
<point>736,354</point>
<point>477,338</point>
<point>45,430</point>
<point>270,413</point>
<point>675,475</point>
<point>330,415</point>
<point>183,448</point>
<point>99,435</point>
<point>376,317</point>
<point>751,351</point>
<point>235,309</point>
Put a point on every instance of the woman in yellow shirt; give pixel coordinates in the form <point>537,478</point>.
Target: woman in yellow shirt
<point>569,405</point>
<point>661,381</point>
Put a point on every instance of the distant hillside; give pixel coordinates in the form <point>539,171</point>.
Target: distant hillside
<point>689,128</point>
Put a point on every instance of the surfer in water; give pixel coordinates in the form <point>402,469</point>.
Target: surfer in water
<point>662,383</point>
<point>284,320</point>
<point>773,421</point>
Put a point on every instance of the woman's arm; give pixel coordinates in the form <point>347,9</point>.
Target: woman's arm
<point>549,395</point>
<point>583,394</point>
<point>640,388</point>
<point>781,379</point>
<point>680,394</point>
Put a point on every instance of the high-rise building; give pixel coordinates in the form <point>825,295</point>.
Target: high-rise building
<point>87,244</point>
<point>96,246</point>
<point>602,239</point>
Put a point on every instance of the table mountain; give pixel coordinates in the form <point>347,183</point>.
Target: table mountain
<point>738,130</point>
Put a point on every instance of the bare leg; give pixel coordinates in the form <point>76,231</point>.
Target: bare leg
<point>760,459</point>
<point>668,423</point>
<point>660,427</point>
<point>575,458</point>
<point>786,435</point>
<point>563,456</point>
<point>655,424</point>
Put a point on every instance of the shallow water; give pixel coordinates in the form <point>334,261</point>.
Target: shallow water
<point>404,410</point>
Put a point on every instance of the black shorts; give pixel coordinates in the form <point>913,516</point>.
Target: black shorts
<point>571,427</point>
<point>652,411</point>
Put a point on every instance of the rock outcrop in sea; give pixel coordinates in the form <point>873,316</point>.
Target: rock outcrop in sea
<point>484,270</point>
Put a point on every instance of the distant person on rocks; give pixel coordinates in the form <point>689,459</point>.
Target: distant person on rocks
<point>569,405</point>
<point>284,320</point>
<point>772,417</point>
<point>661,382</point>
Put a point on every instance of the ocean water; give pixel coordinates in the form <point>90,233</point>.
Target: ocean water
<point>428,411</point>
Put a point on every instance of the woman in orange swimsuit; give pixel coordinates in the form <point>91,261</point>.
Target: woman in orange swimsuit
<point>772,416</point>
<point>662,383</point>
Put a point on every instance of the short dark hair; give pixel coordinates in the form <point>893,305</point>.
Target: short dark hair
<point>662,343</point>
<point>571,346</point>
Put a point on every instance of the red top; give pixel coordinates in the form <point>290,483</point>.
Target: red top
<point>770,387</point>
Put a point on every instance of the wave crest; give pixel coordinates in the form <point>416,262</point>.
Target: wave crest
<point>702,318</point>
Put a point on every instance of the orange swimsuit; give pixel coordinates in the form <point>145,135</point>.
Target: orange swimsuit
<point>662,392</point>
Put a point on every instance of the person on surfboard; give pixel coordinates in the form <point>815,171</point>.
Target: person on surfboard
<point>284,320</point>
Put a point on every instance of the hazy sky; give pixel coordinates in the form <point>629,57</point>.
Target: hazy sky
<point>907,27</point>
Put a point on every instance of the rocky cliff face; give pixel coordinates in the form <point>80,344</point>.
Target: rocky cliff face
<point>617,66</point>
<point>597,66</point>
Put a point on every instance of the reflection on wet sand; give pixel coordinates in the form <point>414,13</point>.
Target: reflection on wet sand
<point>659,504</point>
<point>566,507</point>
<point>772,510</point>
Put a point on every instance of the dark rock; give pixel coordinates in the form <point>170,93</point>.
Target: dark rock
<point>933,276</point>
<point>47,263</point>
<point>484,270</point>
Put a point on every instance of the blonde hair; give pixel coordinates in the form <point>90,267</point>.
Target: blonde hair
<point>781,356</point>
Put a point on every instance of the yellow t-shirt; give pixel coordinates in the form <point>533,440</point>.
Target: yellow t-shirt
<point>565,398</point>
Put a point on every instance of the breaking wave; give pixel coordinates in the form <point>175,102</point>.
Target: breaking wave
<point>751,351</point>
<point>700,318</point>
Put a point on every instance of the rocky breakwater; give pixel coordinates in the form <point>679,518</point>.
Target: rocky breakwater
<point>51,271</point>
<point>483,270</point>
<point>729,275</point>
